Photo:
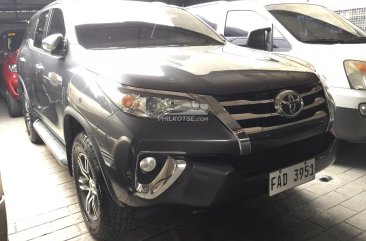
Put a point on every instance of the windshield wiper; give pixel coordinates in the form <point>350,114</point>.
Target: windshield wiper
<point>324,41</point>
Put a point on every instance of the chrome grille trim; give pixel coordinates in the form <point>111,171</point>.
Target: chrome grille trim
<point>224,116</point>
<point>255,130</point>
<point>246,102</point>
<point>318,101</point>
<point>314,90</point>
<point>256,113</point>
<point>248,116</point>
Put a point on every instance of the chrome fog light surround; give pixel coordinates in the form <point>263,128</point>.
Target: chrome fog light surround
<point>168,174</point>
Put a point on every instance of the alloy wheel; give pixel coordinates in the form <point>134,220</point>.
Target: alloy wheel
<point>88,188</point>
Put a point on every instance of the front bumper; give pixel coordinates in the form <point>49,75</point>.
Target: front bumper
<point>206,183</point>
<point>214,179</point>
<point>349,124</point>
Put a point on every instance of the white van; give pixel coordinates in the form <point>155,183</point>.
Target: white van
<point>333,45</point>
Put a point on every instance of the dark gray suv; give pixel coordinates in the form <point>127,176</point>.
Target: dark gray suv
<point>146,105</point>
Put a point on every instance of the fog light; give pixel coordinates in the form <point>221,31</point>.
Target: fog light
<point>148,164</point>
<point>362,109</point>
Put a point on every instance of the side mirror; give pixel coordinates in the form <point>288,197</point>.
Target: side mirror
<point>54,44</point>
<point>261,39</point>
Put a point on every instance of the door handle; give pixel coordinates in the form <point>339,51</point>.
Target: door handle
<point>23,60</point>
<point>55,78</point>
<point>39,68</point>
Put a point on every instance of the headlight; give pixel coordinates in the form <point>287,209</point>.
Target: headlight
<point>13,68</point>
<point>356,74</point>
<point>150,103</point>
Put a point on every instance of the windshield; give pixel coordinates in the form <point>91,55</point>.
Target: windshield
<point>315,24</point>
<point>136,27</point>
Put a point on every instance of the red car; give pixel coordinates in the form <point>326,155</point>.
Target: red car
<point>10,42</point>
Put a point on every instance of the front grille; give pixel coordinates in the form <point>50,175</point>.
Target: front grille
<point>256,112</point>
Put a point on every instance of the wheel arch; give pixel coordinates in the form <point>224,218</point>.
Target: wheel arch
<point>74,123</point>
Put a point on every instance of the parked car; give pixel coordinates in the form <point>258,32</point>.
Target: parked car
<point>147,106</point>
<point>310,32</point>
<point>3,220</point>
<point>10,43</point>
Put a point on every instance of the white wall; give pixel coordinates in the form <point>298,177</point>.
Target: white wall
<point>340,4</point>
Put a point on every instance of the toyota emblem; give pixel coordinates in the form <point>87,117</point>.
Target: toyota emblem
<point>288,103</point>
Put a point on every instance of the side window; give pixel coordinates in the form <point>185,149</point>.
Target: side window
<point>57,24</point>
<point>40,33</point>
<point>280,43</point>
<point>240,23</point>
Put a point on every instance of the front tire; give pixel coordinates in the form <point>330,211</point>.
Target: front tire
<point>14,106</point>
<point>104,218</point>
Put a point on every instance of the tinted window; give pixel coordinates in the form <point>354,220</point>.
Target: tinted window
<point>40,33</point>
<point>57,24</point>
<point>280,43</point>
<point>315,24</point>
<point>159,26</point>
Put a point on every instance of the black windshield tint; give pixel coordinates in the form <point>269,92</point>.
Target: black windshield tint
<point>138,34</point>
<point>133,28</point>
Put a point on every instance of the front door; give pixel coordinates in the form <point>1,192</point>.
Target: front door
<point>51,75</point>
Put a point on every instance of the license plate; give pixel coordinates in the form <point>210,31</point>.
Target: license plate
<point>291,176</point>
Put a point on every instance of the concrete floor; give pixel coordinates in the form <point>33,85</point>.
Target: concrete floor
<point>42,203</point>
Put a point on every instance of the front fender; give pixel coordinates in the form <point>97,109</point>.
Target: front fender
<point>74,122</point>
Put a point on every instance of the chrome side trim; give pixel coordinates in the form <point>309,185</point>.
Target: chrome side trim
<point>254,130</point>
<point>224,116</point>
<point>169,173</point>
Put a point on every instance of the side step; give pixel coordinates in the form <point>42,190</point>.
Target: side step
<point>53,143</point>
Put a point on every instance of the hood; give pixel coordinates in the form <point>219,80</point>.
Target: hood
<point>209,70</point>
